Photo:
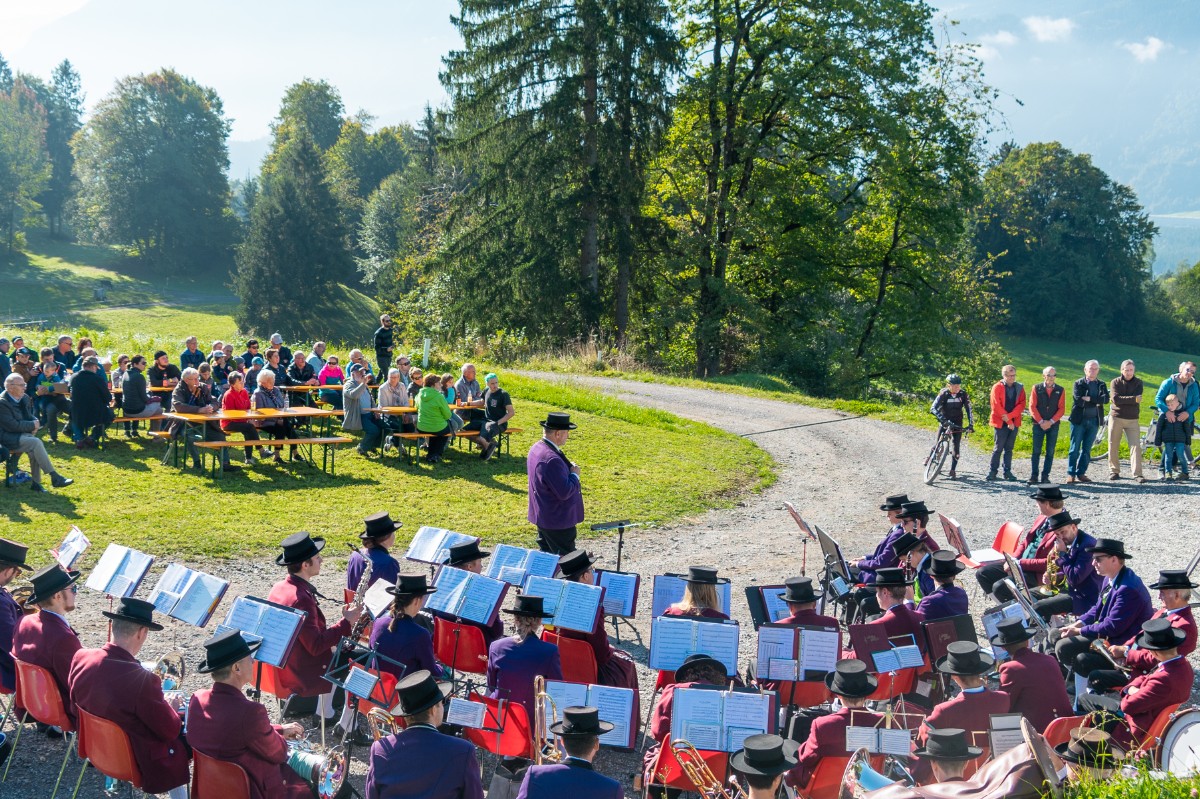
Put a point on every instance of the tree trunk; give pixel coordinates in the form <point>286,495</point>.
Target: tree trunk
<point>589,256</point>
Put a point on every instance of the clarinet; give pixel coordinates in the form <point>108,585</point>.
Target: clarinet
<point>359,593</point>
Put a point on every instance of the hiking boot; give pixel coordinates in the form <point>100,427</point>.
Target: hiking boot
<point>1115,476</point>
<point>953,475</point>
<point>58,481</point>
<point>230,467</point>
<point>991,476</point>
<point>1182,476</point>
<point>1010,477</point>
<point>1083,478</point>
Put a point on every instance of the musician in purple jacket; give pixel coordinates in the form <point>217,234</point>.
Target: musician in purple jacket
<point>579,731</point>
<point>419,762</point>
<point>1123,605</point>
<point>555,493</point>
<point>1075,566</point>
<point>946,599</point>
<point>514,662</point>
<point>12,562</point>
<point>863,570</point>
<point>377,537</point>
<point>396,634</point>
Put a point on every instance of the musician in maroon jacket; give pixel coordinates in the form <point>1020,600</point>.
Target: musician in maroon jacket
<point>695,670</point>
<point>469,557</point>
<point>45,638</point>
<point>225,725</point>
<point>1033,681</point>
<point>614,666</point>
<point>974,706</point>
<point>1036,547</point>
<point>850,682</point>
<point>12,563</point>
<point>1170,683</point>
<point>111,683</point>
<point>303,672</point>
<point>802,601</point>
<point>898,618</point>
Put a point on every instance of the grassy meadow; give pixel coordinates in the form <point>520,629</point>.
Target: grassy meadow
<point>124,493</point>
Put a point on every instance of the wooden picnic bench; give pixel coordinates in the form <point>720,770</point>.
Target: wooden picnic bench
<point>328,449</point>
<point>407,442</point>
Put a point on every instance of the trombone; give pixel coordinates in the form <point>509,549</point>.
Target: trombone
<point>694,767</point>
<point>545,714</point>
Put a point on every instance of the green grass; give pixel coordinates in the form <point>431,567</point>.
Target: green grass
<point>1141,786</point>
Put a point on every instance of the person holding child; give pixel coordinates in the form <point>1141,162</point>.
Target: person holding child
<point>1174,436</point>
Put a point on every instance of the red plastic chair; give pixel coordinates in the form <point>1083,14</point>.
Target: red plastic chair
<point>1008,538</point>
<point>515,738</point>
<point>1059,731</point>
<point>106,746</point>
<point>268,682</point>
<point>826,779</point>
<point>218,779</point>
<point>37,692</point>
<point>459,646</point>
<point>802,694</point>
<point>668,773</point>
<point>577,658</point>
<point>1151,742</point>
<point>893,684</point>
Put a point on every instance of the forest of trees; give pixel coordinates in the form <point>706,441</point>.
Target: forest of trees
<point>792,187</point>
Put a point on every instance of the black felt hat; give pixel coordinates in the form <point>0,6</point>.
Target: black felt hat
<point>1090,747</point>
<point>1012,631</point>
<point>942,563</point>
<point>49,581</point>
<point>575,563</point>
<point>580,722</point>
<point>850,678</point>
<point>965,659</point>
<point>1158,634</point>
<point>888,577</point>
<point>1173,578</point>
<point>911,510</point>
<point>558,421</point>
<point>527,605</point>
<point>894,502</point>
<point>137,611</point>
<point>765,755</point>
<point>1047,492</point>
<point>703,575</point>
<point>694,663</point>
<point>299,547</point>
<point>419,691</point>
<point>1110,546</point>
<point>410,585</point>
<point>465,553</point>
<point>14,553</point>
<point>379,525</point>
<point>225,649</point>
<point>1060,519</point>
<point>948,743</point>
<point>799,590</point>
<point>906,543</point>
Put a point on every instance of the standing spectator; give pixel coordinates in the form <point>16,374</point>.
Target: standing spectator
<point>5,363</point>
<point>1182,385</point>
<point>950,406</point>
<point>90,399</point>
<point>236,398</point>
<point>1090,397</point>
<point>316,358</point>
<point>357,403</point>
<point>18,433</point>
<point>163,374</point>
<point>277,345</point>
<point>191,355</point>
<point>383,344</point>
<point>1174,437</point>
<point>1125,392</point>
<point>1008,403</point>
<point>331,375</point>
<point>136,400</point>
<point>1048,406</point>
<point>64,354</point>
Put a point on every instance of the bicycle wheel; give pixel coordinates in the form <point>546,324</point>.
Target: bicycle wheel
<point>1100,444</point>
<point>933,466</point>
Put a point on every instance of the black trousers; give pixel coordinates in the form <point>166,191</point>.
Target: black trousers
<point>1054,606</point>
<point>248,431</point>
<point>1105,680</point>
<point>1069,648</point>
<point>988,578</point>
<point>560,542</point>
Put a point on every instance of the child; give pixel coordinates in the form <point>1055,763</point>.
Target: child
<point>1174,438</point>
<point>47,402</point>
<point>220,370</point>
<point>447,388</point>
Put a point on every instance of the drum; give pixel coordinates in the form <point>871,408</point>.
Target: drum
<point>1180,749</point>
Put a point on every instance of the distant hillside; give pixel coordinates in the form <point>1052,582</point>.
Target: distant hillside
<point>1178,241</point>
<point>246,157</point>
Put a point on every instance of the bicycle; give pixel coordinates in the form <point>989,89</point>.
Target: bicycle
<point>1099,446</point>
<point>941,448</point>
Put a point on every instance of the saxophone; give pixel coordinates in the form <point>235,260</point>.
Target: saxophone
<point>359,593</point>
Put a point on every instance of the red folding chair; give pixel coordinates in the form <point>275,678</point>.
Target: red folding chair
<point>668,773</point>
<point>1059,731</point>
<point>577,658</point>
<point>826,779</point>
<point>1150,743</point>
<point>893,684</point>
<point>218,779</point>
<point>460,646</point>
<point>1008,538</point>
<point>38,693</point>
<point>106,746</point>
<point>802,693</point>
<point>515,736</point>
<point>268,682</point>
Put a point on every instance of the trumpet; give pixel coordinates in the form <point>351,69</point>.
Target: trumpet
<point>545,714</point>
<point>382,723</point>
<point>701,776</point>
<point>1100,649</point>
<point>327,772</point>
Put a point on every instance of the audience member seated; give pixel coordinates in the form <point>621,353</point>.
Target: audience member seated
<point>357,405</point>
<point>191,355</point>
<point>251,352</point>
<point>63,354</point>
<point>254,368</point>
<point>357,358</point>
<point>193,397</point>
<point>236,398</point>
<point>394,394</point>
<point>267,397</point>
<point>90,400</point>
<point>299,373</point>
<point>277,345</point>
<point>5,360</point>
<point>433,417</point>
<point>220,370</point>
<point>278,368</point>
<point>497,411</point>
<point>331,375</point>
<point>18,428</point>
<point>163,374</point>
<point>136,399</point>
<point>51,389</point>
<point>23,366</point>
<point>316,358</point>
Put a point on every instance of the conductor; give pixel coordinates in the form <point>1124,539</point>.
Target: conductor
<point>555,494</point>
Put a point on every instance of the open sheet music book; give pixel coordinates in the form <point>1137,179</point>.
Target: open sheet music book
<point>514,564</point>
<point>1004,732</point>
<point>120,571</point>
<point>879,740</point>
<point>188,595</point>
<point>804,653</point>
<point>377,600</point>
<point>765,604</point>
<point>957,540</point>
<point>360,682</point>
<point>1006,612</point>
<point>275,625</point>
<point>466,713</point>
<point>71,549</point>
<point>614,704</point>
<point>575,606</point>
<point>673,638</point>
<point>719,721</point>
<point>432,544</point>
<point>668,589</point>
<point>620,592</point>
<point>466,595</point>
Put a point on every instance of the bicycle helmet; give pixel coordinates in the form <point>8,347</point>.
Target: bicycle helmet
<point>953,379</point>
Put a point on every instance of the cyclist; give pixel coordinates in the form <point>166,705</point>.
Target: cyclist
<point>949,407</point>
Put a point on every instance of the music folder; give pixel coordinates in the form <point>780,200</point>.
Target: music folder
<point>957,540</point>
<point>615,706</point>
<point>940,633</point>
<point>797,653</point>
<point>71,549</point>
<point>896,741</point>
<point>120,571</point>
<point>620,592</point>
<point>667,589</point>
<point>277,626</point>
<point>674,638</point>
<point>514,564</point>
<point>187,594</point>
<point>765,605</point>
<point>716,720</point>
<point>432,544</point>
<point>575,606</point>
<point>1004,732</point>
<point>466,595</point>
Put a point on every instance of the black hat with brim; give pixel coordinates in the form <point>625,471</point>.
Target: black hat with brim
<point>299,547</point>
<point>948,743</point>
<point>911,510</point>
<point>1090,747</point>
<point>1011,632</point>
<point>906,543</point>
<point>965,659</point>
<point>799,591</point>
<point>410,585</point>
<point>581,722</point>
<point>693,663</point>
<point>575,562</point>
<point>558,421</point>
<point>135,611</point>
<point>466,553</point>
<point>1158,635</point>
<point>379,525</point>
<point>765,756</point>
<point>1173,578</point>
<point>703,575</point>
<point>49,581</point>
<point>527,605</point>
<point>1048,493</point>
<point>943,563</point>
<point>14,553</point>
<point>1109,546</point>
<point>1060,520</point>
<point>420,691</point>
<point>850,678</point>
<point>894,502</point>
<point>889,577</point>
<point>225,649</point>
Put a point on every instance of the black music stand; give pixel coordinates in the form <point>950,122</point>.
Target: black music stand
<point>620,527</point>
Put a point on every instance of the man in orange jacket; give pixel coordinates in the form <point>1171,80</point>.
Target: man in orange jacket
<point>1008,403</point>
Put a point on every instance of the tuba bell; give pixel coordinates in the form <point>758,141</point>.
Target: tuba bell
<point>859,777</point>
<point>545,715</point>
<point>326,771</point>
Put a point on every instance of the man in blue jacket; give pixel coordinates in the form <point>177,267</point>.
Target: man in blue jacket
<point>1124,604</point>
<point>1075,567</point>
<point>1183,385</point>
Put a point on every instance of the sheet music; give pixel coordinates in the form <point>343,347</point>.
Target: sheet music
<point>277,627</point>
<point>567,694</point>
<point>541,564</point>
<point>886,660</point>
<point>578,607</point>
<point>549,589</point>
<point>696,717</point>
<point>72,548</point>
<point>777,609</point>
<point>199,599</point>
<point>987,555</point>
<point>776,645</point>
<point>119,571</point>
<point>862,738</point>
<point>702,735</point>
<point>506,556</point>
<point>909,656</point>
<point>819,650</point>
<point>465,713</point>
<point>450,583</point>
<point>735,737</point>
<point>1005,732</point>
<point>244,614</point>
<point>745,711</point>
<point>513,575</point>
<point>955,537</point>
<point>896,742</point>
<point>779,669</point>
<point>620,593</point>
<point>360,682</point>
<point>992,621</point>
<point>670,642</point>
<point>377,599</point>
<point>615,706</point>
<point>719,641</point>
<point>432,544</point>
<point>480,598</point>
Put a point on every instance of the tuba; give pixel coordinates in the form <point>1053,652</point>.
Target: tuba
<point>545,714</point>
<point>169,668</point>
<point>697,770</point>
<point>327,772</point>
<point>382,723</point>
<point>859,778</point>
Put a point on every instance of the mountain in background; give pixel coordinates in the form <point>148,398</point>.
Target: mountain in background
<point>246,157</point>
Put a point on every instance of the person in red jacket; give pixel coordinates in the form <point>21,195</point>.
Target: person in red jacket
<point>975,704</point>
<point>1047,407</point>
<point>111,683</point>
<point>695,670</point>
<point>1008,403</point>
<point>303,673</point>
<point>1033,681</point>
<point>1036,547</point>
<point>851,683</point>
<point>899,618</point>
<point>225,725</point>
<point>45,638</point>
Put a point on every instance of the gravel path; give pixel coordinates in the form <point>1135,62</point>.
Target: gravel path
<point>834,467</point>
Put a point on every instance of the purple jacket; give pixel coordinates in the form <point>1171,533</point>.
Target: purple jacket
<point>555,496</point>
<point>383,567</point>
<point>10,616</point>
<point>573,778</point>
<point>1083,584</point>
<point>1119,614</point>
<point>422,763</point>
<point>512,667</point>
<point>409,644</point>
<point>884,556</point>
<point>943,602</point>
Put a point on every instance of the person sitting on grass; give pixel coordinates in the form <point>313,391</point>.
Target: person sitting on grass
<point>236,398</point>
<point>267,396</point>
<point>90,411</point>
<point>1174,437</point>
<point>357,403</point>
<point>433,418</point>
<point>50,388</point>
<point>193,397</point>
<point>331,375</point>
<point>18,434</point>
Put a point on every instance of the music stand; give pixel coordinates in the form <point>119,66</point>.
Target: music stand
<point>835,564</point>
<point>620,527</point>
<point>1190,570</point>
<point>808,533</point>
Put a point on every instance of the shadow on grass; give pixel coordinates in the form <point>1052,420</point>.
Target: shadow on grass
<point>56,501</point>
